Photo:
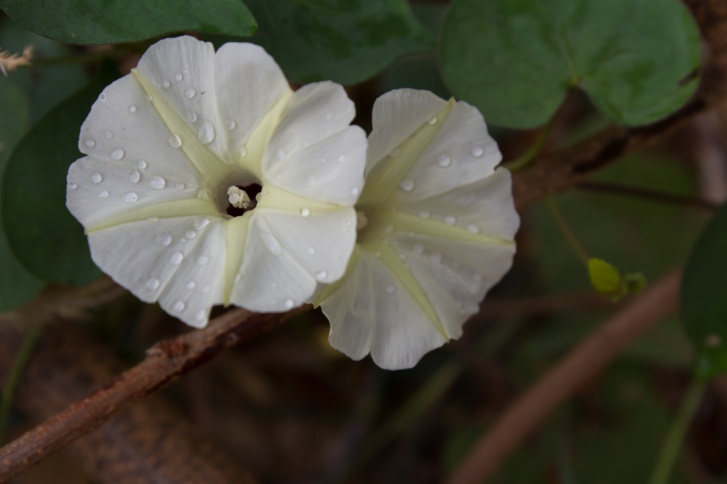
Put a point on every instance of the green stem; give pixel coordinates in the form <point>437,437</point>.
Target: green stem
<point>563,226</point>
<point>674,438</point>
<point>529,156</point>
<point>15,374</point>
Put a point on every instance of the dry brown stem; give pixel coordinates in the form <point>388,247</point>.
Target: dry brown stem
<point>578,367</point>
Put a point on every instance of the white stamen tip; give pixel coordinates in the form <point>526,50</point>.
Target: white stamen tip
<point>238,197</point>
<point>361,220</point>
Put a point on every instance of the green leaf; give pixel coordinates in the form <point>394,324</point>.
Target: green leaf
<point>347,42</point>
<point>516,59</point>
<point>704,297</point>
<point>44,85</point>
<point>41,231</point>
<point>107,22</point>
<point>17,285</point>
<point>605,278</point>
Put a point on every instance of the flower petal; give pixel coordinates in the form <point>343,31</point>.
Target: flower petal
<point>269,278</point>
<point>372,311</point>
<point>160,259</point>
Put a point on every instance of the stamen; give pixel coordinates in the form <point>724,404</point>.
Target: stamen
<point>361,220</point>
<point>238,197</point>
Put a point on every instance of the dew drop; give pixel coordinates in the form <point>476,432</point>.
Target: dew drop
<point>102,97</point>
<point>191,234</point>
<point>444,160</point>
<point>72,186</point>
<point>473,229</point>
<point>271,243</point>
<point>201,315</point>
<point>203,194</point>
<point>477,151</point>
<point>175,141</point>
<point>329,115</point>
<point>103,194</point>
<point>179,306</point>
<point>324,160</point>
<point>230,125</point>
<point>90,143</point>
<point>203,260</point>
<point>424,214</point>
<point>312,181</point>
<point>131,197</point>
<point>288,304</point>
<point>179,186</point>
<point>355,191</point>
<point>118,154</point>
<point>433,120</point>
<point>201,223</point>
<point>450,220</point>
<point>165,239</point>
<point>176,258</point>
<point>166,84</point>
<point>341,158</point>
<point>407,184</point>
<point>132,109</point>
<point>152,283</point>
<point>148,97</point>
<point>311,251</point>
<point>321,275</point>
<point>134,177</point>
<point>206,133</point>
<point>190,92</point>
<point>305,211</point>
<point>243,151</point>
<point>192,116</point>
<point>191,285</point>
<point>178,77</point>
<point>108,134</point>
<point>157,182</point>
<point>142,164</point>
<point>390,289</point>
<point>96,178</point>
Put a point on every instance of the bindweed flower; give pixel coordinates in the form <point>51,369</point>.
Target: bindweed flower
<point>436,225</point>
<point>209,181</point>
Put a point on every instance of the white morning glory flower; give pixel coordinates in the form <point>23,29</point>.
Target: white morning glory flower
<point>436,228</point>
<point>209,181</point>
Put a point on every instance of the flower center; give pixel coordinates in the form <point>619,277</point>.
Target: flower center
<point>242,199</point>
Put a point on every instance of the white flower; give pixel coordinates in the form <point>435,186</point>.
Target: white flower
<point>192,136</point>
<point>437,222</point>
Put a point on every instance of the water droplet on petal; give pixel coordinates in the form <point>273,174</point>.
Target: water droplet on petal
<point>391,289</point>
<point>117,154</point>
<point>175,141</point>
<point>203,260</point>
<point>424,214</point>
<point>288,304</point>
<point>407,184</point>
<point>201,223</point>
<point>152,283</point>
<point>444,160</point>
<point>203,194</point>
<point>201,315</point>
<point>192,116</point>
<point>450,220</point>
<point>191,234</point>
<point>329,115</point>
<point>305,211</point>
<point>206,133</point>
<point>132,109</point>
<point>341,158</point>
<point>96,178</point>
<point>178,77</point>
<point>102,97</point>
<point>231,124</point>
<point>179,186</point>
<point>142,164</point>
<point>473,229</point>
<point>477,151</point>
<point>271,243</point>
<point>190,92</point>
<point>72,186</point>
<point>207,289</point>
<point>134,177</point>
<point>176,258</point>
<point>324,160</point>
<point>90,143</point>
<point>311,250</point>
<point>157,182</point>
<point>131,197</point>
<point>191,285</point>
<point>433,120</point>
<point>103,194</point>
<point>321,275</point>
<point>165,239</point>
<point>166,84</point>
<point>355,191</point>
<point>243,151</point>
<point>109,134</point>
<point>179,306</point>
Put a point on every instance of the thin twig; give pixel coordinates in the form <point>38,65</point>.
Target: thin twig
<point>578,367</point>
<point>649,195</point>
<point>164,361</point>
